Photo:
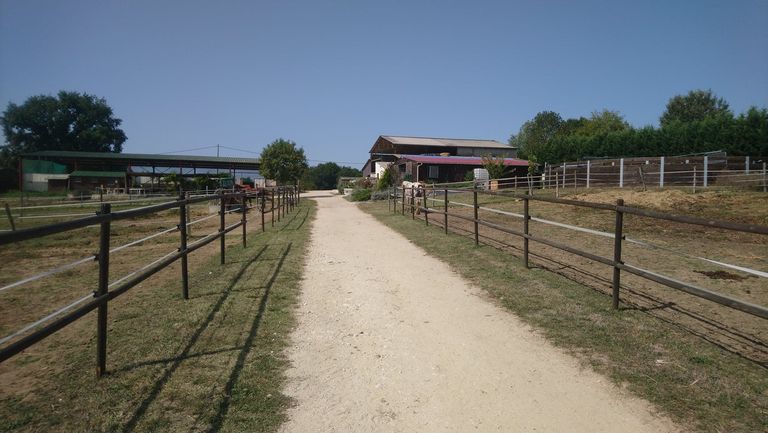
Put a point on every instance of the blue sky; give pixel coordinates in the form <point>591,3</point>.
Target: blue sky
<point>334,75</point>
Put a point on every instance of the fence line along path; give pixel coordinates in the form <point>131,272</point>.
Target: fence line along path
<point>395,341</point>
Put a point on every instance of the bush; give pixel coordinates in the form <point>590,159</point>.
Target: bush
<point>380,195</point>
<point>361,195</point>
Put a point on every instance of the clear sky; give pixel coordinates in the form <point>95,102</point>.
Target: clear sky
<point>334,75</point>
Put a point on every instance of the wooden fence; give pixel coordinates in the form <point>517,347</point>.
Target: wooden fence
<point>282,200</point>
<point>415,200</point>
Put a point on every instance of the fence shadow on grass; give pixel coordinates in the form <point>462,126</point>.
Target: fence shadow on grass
<point>727,337</point>
<point>185,353</point>
<point>224,404</point>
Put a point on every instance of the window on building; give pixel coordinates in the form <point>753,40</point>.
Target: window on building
<point>433,172</point>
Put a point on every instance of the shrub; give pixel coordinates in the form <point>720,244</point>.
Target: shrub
<point>361,194</point>
<point>380,195</point>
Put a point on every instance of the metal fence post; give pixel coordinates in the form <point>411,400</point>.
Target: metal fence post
<point>706,171</point>
<point>445,203</point>
<point>244,220</point>
<point>221,227</point>
<point>526,217</point>
<point>621,173</point>
<point>183,246</point>
<point>661,173</point>
<point>10,217</point>
<point>618,236</point>
<point>101,320</point>
<point>694,179</point>
<point>477,233</point>
<point>589,166</point>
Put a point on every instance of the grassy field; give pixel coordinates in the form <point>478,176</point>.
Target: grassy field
<point>212,363</point>
<point>701,385</point>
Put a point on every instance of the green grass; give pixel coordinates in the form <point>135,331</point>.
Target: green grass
<point>213,363</point>
<point>697,384</point>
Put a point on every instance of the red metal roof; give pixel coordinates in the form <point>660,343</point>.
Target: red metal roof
<point>460,160</point>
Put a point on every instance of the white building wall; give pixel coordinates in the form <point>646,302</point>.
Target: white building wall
<point>39,181</point>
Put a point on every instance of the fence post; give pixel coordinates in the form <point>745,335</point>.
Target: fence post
<point>221,227</point>
<point>424,200</point>
<point>618,235</point>
<point>526,217</point>
<point>765,185</point>
<point>563,176</point>
<point>621,173</point>
<point>706,171</point>
<point>244,220</point>
<point>10,217</point>
<point>477,233</point>
<point>589,166</point>
<point>183,246</point>
<point>445,203</point>
<point>402,202</point>
<point>413,202</point>
<point>272,206</point>
<point>661,173</point>
<point>694,179</point>
<point>557,185</point>
<point>746,165</point>
<point>101,320</point>
<point>262,208</point>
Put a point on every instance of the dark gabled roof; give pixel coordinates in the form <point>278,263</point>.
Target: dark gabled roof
<point>445,142</point>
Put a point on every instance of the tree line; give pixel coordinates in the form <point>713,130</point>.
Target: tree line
<point>693,123</point>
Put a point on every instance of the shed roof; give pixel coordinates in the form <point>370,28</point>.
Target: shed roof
<point>139,159</point>
<point>444,142</point>
<point>460,160</point>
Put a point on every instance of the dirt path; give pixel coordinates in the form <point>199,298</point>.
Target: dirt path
<point>389,339</point>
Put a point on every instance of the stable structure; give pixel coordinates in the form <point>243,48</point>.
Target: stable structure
<point>389,148</point>
<point>440,169</point>
<point>54,170</point>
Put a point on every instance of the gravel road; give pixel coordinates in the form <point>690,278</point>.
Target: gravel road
<point>390,339</point>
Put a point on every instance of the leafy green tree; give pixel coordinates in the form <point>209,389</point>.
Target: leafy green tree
<point>326,175</point>
<point>388,178</point>
<point>601,122</point>
<point>537,133</point>
<point>282,161</point>
<point>69,121</point>
<point>495,166</point>
<point>697,105</point>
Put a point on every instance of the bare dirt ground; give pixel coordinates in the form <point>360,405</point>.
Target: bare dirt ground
<point>390,339</point>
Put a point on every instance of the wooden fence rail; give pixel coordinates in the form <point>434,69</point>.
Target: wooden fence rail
<point>285,197</point>
<point>619,209</point>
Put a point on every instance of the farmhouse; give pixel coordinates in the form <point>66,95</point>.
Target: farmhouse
<point>437,159</point>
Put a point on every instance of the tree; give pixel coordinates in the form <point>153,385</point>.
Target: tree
<point>695,106</point>
<point>282,161</point>
<point>495,166</point>
<point>69,121</point>
<point>326,175</point>
<point>537,133</point>
<point>602,122</point>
